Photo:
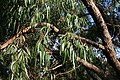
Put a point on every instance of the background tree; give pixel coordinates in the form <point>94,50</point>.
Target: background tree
<point>59,39</point>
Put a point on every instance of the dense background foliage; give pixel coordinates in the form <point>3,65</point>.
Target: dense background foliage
<point>42,53</point>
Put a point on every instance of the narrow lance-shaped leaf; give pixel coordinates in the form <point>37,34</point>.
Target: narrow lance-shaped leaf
<point>63,45</point>
<point>84,54</point>
<point>41,57</point>
<point>65,55</point>
<point>81,52</point>
<point>26,2</point>
<point>71,50</point>
<point>73,59</point>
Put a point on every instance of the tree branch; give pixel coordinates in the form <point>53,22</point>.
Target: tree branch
<point>87,65</point>
<point>93,68</point>
<point>24,31</point>
<point>56,30</point>
<point>89,42</point>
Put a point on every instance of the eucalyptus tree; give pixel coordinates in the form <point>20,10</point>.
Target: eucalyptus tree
<point>59,39</point>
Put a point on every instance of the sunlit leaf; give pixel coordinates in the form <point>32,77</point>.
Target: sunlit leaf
<point>26,2</point>
<point>12,66</point>
<point>63,45</point>
<point>71,51</point>
<point>26,72</point>
<point>65,55</point>
<point>73,59</point>
<point>27,51</point>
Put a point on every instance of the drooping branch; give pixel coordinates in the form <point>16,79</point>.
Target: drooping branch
<point>86,64</point>
<point>106,38</point>
<point>24,31</point>
<point>94,68</point>
<point>56,30</point>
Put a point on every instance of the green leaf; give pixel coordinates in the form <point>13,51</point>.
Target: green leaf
<point>47,60</point>
<point>26,1</point>
<point>26,72</point>
<point>41,58</point>
<point>27,51</point>
<point>65,55</point>
<point>81,52</point>
<point>63,46</point>
<point>84,55</point>
<point>73,59</point>
<point>71,51</point>
<point>29,1</point>
<point>20,55</point>
<point>13,66</point>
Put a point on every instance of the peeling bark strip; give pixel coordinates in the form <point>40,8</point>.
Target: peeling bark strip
<point>109,50</point>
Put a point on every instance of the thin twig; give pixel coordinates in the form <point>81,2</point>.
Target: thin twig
<point>55,67</point>
<point>67,72</point>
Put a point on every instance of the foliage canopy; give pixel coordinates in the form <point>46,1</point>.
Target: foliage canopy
<point>55,39</point>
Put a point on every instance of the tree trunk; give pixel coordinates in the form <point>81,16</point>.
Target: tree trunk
<point>109,51</point>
